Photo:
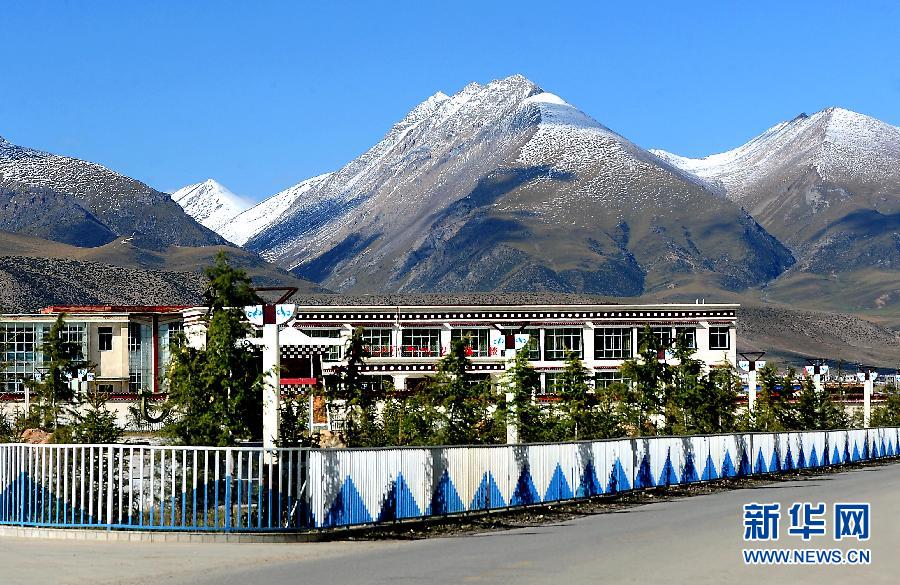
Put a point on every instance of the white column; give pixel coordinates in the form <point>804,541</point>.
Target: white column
<point>868,387</point>
<point>817,382</point>
<point>512,430</point>
<point>751,387</point>
<point>271,389</point>
<point>400,381</point>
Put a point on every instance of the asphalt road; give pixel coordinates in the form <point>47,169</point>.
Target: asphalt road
<point>693,540</point>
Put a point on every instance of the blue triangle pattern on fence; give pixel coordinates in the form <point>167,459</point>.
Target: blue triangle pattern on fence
<point>590,483</point>
<point>728,465</point>
<point>618,481</point>
<point>667,476</point>
<point>559,488</point>
<point>644,477</point>
<point>760,466</point>
<point>813,457</point>
<point>744,467</point>
<point>347,508</point>
<point>487,495</point>
<point>399,502</point>
<point>855,456</point>
<point>775,461</point>
<point>835,456</point>
<point>709,470</point>
<point>525,492</point>
<point>445,498</point>
<point>689,475</point>
<point>788,458</point>
<point>801,457</point>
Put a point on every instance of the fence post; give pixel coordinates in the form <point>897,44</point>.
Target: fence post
<point>229,464</point>
<point>109,487</point>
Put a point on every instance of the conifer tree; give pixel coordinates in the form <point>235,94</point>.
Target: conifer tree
<point>523,382</point>
<point>215,393</point>
<point>650,378</point>
<point>462,400</point>
<point>52,395</point>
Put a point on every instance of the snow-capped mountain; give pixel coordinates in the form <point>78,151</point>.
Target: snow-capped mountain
<point>210,203</point>
<point>505,186</point>
<point>86,204</point>
<point>827,185</point>
<point>243,226</point>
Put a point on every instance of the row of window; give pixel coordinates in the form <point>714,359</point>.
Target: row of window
<point>553,385</point>
<point>609,342</point>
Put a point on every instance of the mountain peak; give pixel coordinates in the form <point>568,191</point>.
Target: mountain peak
<point>10,151</point>
<point>210,203</point>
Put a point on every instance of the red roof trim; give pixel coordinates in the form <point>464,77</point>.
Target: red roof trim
<point>113,309</point>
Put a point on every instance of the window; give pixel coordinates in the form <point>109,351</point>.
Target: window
<point>135,381</point>
<point>21,344</point>
<point>335,353</point>
<point>663,335</point>
<point>140,357</point>
<point>604,379</point>
<point>559,342</point>
<point>378,342</point>
<point>534,344</point>
<point>611,343</point>
<point>104,338</point>
<point>135,336</point>
<point>551,384</point>
<point>105,388</point>
<point>478,341</point>
<point>689,334</point>
<point>421,343</point>
<point>719,338</point>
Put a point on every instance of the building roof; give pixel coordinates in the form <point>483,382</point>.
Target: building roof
<point>159,309</point>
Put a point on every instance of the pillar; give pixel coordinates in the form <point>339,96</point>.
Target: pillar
<point>271,362</point>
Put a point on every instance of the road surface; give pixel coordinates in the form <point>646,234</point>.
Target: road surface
<point>694,540</point>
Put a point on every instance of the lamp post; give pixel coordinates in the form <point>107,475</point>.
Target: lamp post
<point>513,340</point>
<point>816,367</point>
<point>867,374</point>
<point>753,361</point>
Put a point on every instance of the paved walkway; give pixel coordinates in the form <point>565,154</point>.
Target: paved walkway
<point>695,540</point>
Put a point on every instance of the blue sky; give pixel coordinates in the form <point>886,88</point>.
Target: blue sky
<point>260,95</point>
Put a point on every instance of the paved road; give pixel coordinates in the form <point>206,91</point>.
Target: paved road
<point>695,540</point>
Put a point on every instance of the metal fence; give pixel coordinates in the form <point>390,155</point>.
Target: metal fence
<point>239,490</point>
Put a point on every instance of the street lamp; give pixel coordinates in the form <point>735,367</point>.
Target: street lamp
<point>816,367</point>
<point>753,360</point>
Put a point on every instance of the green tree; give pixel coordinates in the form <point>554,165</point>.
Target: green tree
<point>887,414</point>
<point>50,396</point>
<point>215,393</point>
<point>578,402</point>
<point>650,377</point>
<point>772,412</point>
<point>360,397</point>
<point>462,399</point>
<point>816,410</point>
<point>523,382</point>
<point>92,422</point>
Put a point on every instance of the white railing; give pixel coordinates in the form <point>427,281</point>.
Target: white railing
<point>237,489</point>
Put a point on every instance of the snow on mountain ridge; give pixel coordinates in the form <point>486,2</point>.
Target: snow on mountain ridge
<point>10,151</point>
<point>249,222</point>
<point>834,141</point>
<point>210,203</point>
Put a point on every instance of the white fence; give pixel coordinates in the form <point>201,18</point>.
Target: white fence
<point>235,489</point>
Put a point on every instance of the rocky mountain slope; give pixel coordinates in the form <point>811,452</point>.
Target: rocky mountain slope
<point>210,203</point>
<point>507,187</point>
<point>85,204</point>
<point>35,273</point>
<point>827,185</point>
